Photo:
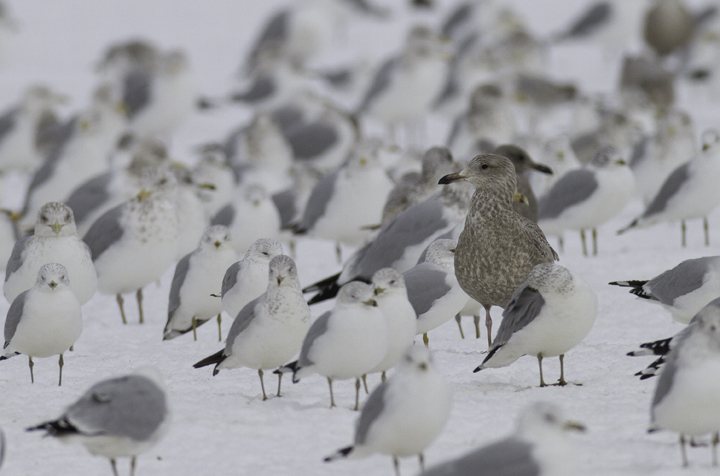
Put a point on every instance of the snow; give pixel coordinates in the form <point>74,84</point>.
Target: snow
<point>220,425</point>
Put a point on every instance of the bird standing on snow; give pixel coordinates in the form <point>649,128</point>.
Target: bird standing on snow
<point>548,315</point>
<point>55,241</point>
<point>404,414</point>
<point>44,320</point>
<point>538,447</point>
<point>685,398</point>
<point>346,342</point>
<point>269,330</point>
<point>498,248</point>
<point>198,276</point>
<point>122,416</point>
<point>134,243</point>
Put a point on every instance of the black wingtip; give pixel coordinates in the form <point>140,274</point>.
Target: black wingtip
<point>216,358</point>
<point>322,284</point>
<point>478,369</point>
<point>55,428</point>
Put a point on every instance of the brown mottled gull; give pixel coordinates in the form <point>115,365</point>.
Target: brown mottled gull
<point>498,248</point>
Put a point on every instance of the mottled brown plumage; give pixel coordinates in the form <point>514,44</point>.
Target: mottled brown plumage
<point>498,248</point>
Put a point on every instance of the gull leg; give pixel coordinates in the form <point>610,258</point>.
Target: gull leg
<point>113,465</point>
<point>594,237</point>
<point>584,243</point>
<point>542,381</point>
<point>683,229</point>
<point>458,319</point>
<point>683,452</point>
<point>262,384</point>
<point>30,362</point>
<point>383,376</point>
<point>332,398</point>
<point>194,326</point>
<point>133,463</point>
<point>357,394</point>
<point>421,459</point>
<point>561,244</point>
<point>488,325</point>
<point>279,383</point>
<point>61,363</point>
<point>120,301</point>
<point>706,228</point>
<point>476,320</point>
<point>219,319</point>
<point>139,297</point>
<point>396,464</point>
<point>715,441</point>
<point>562,381</point>
<point>426,341</point>
<point>364,379</point>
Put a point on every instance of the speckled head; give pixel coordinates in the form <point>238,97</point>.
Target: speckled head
<point>608,156</point>
<point>52,276</point>
<point>708,321</point>
<point>550,277</point>
<point>55,219</point>
<point>283,271</point>
<point>216,237</point>
<point>489,172</point>
<point>356,292</point>
<point>442,252</point>
<point>388,280</point>
<point>417,358</point>
<point>265,249</point>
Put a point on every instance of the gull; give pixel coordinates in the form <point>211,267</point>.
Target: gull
<point>538,447</point>
<point>688,192</point>
<point>685,398</point>
<point>134,243</point>
<point>403,415</point>
<point>345,342</point>
<point>668,26</point>
<point>498,248</point>
<point>121,416</point>
<point>269,330</point>
<point>244,280</point>
<point>682,290</point>
<point>45,320</point>
<point>547,316</point>
<point>523,163</point>
<point>587,197</point>
<point>197,276</point>
<point>55,241</point>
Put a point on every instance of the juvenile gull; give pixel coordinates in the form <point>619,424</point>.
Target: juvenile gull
<point>403,415</point>
<point>55,241</point>
<point>134,243</point>
<point>498,248</point>
<point>122,416</point>
<point>547,316</point>
<point>689,192</point>
<point>270,329</point>
<point>682,290</point>
<point>198,276</point>
<point>537,448</point>
<point>345,342</point>
<point>246,279</point>
<point>45,320</point>
<point>685,398</point>
<point>587,197</point>
<point>433,289</point>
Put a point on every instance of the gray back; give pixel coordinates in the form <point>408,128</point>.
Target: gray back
<point>225,216</point>
<point>262,88</point>
<point>181,271</point>
<point>639,153</point>
<point>373,408</point>
<point>242,322</point>
<point>665,382</point>
<point>89,196</point>
<point>524,306</point>
<point>509,457</point>
<point>318,328</point>
<point>287,117</point>
<point>136,91</point>
<point>425,285</point>
<point>310,140</point>
<point>285,203</point>
<point>572,188</point>
<point>668,190</point>
<point>230,278</point>
<point>7,122</point>
<point>380,83</point>
<point>457,18</point>
<point>132,406</point>
<point>681,280</point>
<point>15,262</point>
<point>13,316</point>
<point>318,201</point>
<point>104,232</point>
<point>43,174</point>
<point>275,33</point>
<point>593,19</point>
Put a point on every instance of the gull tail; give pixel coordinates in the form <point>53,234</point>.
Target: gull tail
<point>637,286</point>
<point>328,289</point>
<point>288,368</point>
<point>169,334</point>
<point>651,370</point>
<point>659,347</point>
<point>217,358</point>
<point>632,224</point>
<point>341,453</point>
<point>55,428</point>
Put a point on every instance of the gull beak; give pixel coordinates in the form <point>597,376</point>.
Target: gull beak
<point>450,178</point>
<point>206,186</point>
<point>52,284</point>
<point>574,426</point>
<point>217,244</point>
<point>143,194</point>
<point>542,168</point>
<point>363,161</point>
<point>620,162</point>
<point>378,290</point>
<point>423,366</point>
<point>705,147</point>
<point>56,227</point>
<point>371,302</point>
<point>121,108</point>
<point>280,279</point>
<point>520,198</point>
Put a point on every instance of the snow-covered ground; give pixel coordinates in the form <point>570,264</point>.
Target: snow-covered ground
<point>220,425</point>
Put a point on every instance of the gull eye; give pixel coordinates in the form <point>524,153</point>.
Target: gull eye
<point>43,218</point>
<point>266,253</point>
<point>163,181</point>
<point>484,166</point>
